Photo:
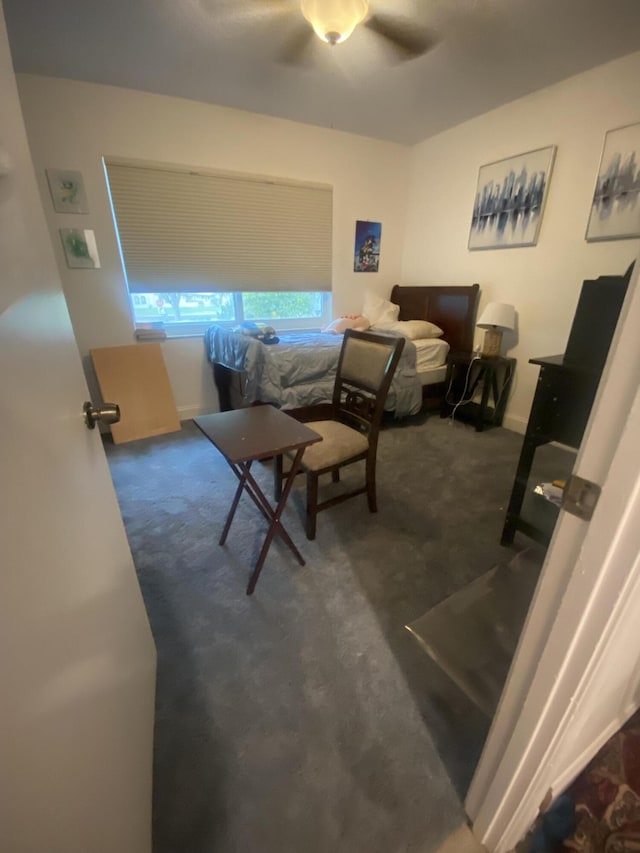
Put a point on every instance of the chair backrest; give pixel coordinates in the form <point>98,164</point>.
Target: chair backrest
<point>366,367</point>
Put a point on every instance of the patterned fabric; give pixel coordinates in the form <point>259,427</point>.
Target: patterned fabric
<point>607,797</point>
<point>301,369</point>
<point>340,442</point>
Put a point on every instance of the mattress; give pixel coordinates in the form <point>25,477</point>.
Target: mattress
<point>432,375</point>
<point>430,353</point>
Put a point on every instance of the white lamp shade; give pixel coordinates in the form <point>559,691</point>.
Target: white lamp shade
<point>334,20</point>
<point>498,314</point>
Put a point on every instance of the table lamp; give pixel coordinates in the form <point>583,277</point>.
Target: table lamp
<point>496,317</point>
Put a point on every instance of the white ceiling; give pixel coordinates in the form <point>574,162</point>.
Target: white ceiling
<point>487,52</point>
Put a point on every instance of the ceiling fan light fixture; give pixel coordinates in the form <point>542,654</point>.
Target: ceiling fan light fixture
<point>333,21</point>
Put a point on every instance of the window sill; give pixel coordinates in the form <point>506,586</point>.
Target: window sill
<point>173,332</point>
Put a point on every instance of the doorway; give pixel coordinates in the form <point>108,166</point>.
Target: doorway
<point>574,678</point>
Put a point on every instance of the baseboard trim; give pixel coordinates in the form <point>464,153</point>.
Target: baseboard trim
<point>186,413</point>
<point>515,424</point>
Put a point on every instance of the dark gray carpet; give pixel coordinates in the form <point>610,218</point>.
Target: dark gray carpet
<point>306,718</point>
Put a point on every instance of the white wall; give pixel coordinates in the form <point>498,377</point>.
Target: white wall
<point>72,125</point>
<point>543,282</point>
<point>423,196</point>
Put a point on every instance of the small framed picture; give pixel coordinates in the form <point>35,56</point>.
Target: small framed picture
<point>367,247</point>
<point>80,248</point>
<point>615,208</point>
<point>67,191</point>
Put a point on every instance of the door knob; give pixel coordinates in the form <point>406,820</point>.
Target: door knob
<point>109,413</point>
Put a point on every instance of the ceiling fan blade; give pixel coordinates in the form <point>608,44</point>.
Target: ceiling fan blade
<point>296,48</point>
<point>410,40</point>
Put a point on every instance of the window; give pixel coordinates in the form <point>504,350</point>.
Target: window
<point>188,313</point>
<point>201,247</point>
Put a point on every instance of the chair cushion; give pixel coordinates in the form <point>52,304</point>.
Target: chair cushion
<point>339,442</point>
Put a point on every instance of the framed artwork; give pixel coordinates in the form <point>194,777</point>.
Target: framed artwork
<point>510,199</point>
<point>367,248</point>
<point>615,209</point>
<point>67,191</point>
<point>80,248</point>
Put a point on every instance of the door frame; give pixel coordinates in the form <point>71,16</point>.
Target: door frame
<point>579,612</point>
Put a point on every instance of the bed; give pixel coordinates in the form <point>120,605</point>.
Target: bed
<point>297,373</point>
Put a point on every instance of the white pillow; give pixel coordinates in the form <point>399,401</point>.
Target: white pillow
<point>378,310</point>
<point>414,329</point>
<point>340,325</point>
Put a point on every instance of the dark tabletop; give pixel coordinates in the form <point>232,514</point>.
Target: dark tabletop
<point>256,432</point>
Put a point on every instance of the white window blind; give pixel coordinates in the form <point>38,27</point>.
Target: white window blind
<point>186,231</point>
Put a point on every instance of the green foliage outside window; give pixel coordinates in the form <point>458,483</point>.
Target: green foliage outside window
<point>229,307</point>
<point>281,306</point>
<point>183,307</point>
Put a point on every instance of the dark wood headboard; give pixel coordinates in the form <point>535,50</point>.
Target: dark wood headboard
<point>451,307</point>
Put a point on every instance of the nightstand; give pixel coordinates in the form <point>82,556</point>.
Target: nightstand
<point>467,376</point>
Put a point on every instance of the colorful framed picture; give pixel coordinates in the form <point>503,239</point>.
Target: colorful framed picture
<point>615,209</point>
<point>67,191</point>
<point>510,200</point>
<point>80,249</point>
<point>367,248</point>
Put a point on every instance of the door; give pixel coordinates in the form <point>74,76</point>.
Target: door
<point>575,678</point>
<point>78,660</point>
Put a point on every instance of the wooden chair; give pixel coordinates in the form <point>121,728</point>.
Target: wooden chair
<point>365,369</point>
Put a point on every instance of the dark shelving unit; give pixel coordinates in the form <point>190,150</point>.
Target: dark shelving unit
<point>567,385</point>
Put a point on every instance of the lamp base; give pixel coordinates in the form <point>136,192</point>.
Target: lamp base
<point>492,342</point>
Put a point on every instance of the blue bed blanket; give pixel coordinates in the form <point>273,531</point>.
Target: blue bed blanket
<point>300,370</point>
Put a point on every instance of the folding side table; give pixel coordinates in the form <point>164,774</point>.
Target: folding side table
<point>244,436</point>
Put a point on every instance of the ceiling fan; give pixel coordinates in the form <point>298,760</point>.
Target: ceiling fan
<point>333,21</point>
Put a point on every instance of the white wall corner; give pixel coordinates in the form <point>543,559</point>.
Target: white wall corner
<point>516,423</point>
